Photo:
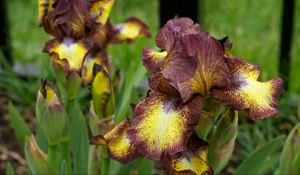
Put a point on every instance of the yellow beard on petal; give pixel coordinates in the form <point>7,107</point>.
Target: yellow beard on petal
<point>256,94</point>
<point>162,128</point>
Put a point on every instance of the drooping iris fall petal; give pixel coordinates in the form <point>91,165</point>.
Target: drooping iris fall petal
<point>100,10</point>
<point>188,163</point>
<point>260,99</point>
<point>191,161</point>
<point>69,54</point>
<point>198,67</point>
<point>119,145</point>
<point>162,125</point>
<point>129,30</point>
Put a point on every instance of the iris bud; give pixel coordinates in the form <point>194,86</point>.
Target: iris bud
<point>51,115</point>
<point>37,160</point>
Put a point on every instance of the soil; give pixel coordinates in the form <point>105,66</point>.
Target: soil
<point>10,150</point>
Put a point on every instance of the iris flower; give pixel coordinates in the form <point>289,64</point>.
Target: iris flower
<point>191,67</point>
<point>82,31</point>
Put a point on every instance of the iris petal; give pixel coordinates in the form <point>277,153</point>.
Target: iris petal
<point>204,66</point>
<point>119,145</point>
<point>188,163</point>
<point>129,30</point>
<point>260,99</point>
<point>153,60</point>
<point>99,58</point>
<point>169,33</point>
<point>45,6</point>
<point>100,10</point>
<point>69,53</point>
<point>162,125</point>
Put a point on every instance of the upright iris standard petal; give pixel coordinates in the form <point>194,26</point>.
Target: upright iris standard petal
<point>69,54</point>
<point>71,18</point>
<point>153,60</point>
<point>129,30</point>
<point>167,36</point>
<point>260,99</point>
<point>159,84</point>
<point>162,125</point>
<point>204,66</point>
<point>100,10</point>
<point>45,6</point>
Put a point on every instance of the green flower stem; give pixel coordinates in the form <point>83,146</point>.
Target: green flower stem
<point>65,155</point>
<point>52,157</point>
<point>105,162</point>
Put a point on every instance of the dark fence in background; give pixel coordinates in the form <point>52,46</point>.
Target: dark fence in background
<point>287,22</point>
<point>4,32</point>
<point>181,8</point>
<point>189,8</point>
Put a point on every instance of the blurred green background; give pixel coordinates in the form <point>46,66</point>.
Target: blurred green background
<point>253,27</point>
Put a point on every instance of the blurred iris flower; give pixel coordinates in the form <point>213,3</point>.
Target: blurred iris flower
<point>82,31</point>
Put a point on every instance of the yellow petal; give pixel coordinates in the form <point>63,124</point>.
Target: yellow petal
<point>100,10</point>
<point>119,145</point>
<point>87,69</point>
<point>189,163</point>
<point>68,53</point>
<point>129,30</point>
<point>101,89</point>
<point>44,7</point>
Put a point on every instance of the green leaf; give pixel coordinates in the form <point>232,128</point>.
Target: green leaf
<point>9,169</point>
<point>131,81</point>
<point>20,127</point>
<point>289,152</point>
<point>79,143</point>
<point>145,166</point>
<point>256,161</point>
<point>63,169</point>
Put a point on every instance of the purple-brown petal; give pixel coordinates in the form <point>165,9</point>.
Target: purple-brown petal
<point>168,34</point>
<point>209,68</point>
<point>260,99</point>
